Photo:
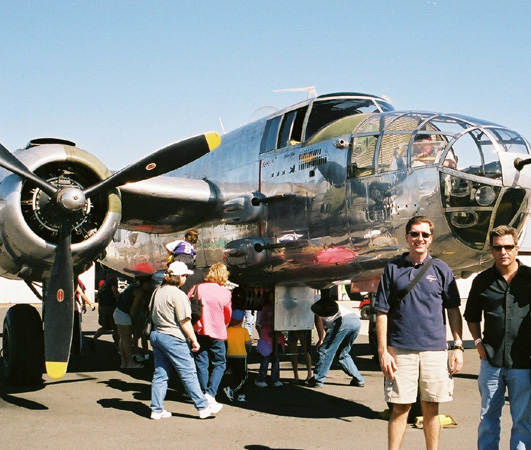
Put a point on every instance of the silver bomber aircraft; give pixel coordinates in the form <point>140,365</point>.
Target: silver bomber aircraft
<point>315,194</point>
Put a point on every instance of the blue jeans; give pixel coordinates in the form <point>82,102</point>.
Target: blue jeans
<point>339,338</point>
<point>211,353</point>
<point>493,382</point>
<point>171,352</point>
<point>275,366</point>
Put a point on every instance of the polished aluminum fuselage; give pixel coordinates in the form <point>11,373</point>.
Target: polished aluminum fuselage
<point>333,206</point>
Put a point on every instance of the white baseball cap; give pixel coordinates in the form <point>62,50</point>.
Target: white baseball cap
<point>179,268</point>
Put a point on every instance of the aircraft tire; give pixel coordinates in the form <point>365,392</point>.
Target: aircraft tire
<point>365,312</point>
<point>22,359</point>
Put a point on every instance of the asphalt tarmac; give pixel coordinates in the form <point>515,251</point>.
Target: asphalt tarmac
<point>98,406</point>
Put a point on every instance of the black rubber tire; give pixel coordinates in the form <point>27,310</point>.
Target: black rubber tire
<point>22,346</point>
<point>365,312</point>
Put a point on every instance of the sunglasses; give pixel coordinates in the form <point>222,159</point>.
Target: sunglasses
<point>416,234</point>
<point>507,248</point>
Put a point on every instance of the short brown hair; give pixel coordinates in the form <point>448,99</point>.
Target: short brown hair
<point>416,220</point>
<point>504,230</point>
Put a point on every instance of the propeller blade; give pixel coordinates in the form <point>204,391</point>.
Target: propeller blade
<point>59,307</point>
<point>162,161</point>
<point>10,162</point>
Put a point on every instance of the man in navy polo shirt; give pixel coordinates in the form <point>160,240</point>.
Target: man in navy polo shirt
<point>501,295</point>
<point>411,332</point>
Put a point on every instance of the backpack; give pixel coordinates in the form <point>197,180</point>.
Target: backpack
<point>196,305</point>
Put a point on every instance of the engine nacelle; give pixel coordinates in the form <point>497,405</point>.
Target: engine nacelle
<point>29,230</point>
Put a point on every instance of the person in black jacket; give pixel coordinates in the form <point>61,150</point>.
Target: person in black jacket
<point>501,295</point>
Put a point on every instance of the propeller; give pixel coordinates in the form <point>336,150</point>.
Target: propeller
<point>59,306</point>
<point>65,203</point>
<point>10,162</point>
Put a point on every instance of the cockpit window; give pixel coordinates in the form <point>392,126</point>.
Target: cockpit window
<point>291,128</point>
<point>510,141</point>
<point>327,111</point>
<point>492,167</point>
<point>475,153</point>
<point>362,156</point>
<point>393,152</point>
<point>269,138</point>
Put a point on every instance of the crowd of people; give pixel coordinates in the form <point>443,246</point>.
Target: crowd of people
<point>417,294</point>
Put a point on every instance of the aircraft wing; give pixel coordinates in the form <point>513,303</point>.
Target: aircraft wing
<point>167,204</point>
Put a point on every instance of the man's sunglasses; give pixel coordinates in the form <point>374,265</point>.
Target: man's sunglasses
<point>416,234</point>
<point>507,248</point>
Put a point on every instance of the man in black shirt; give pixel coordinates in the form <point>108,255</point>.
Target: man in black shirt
<point>502,295</point>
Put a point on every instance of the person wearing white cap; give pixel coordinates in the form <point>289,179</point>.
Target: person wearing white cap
<point>173,340</point>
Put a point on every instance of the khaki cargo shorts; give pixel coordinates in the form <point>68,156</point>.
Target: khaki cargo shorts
<point>426,371</point>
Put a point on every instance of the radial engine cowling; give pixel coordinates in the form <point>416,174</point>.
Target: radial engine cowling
<point>29,228</point>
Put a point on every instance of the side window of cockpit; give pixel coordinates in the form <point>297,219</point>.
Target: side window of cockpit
<point>393,152</point>
<point>362,156</point>
<point>291,128</point>
<point>269,138</point>
<point>427,149</point>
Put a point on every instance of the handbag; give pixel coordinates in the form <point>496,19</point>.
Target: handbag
<point>196,306</point>
<point>263,347</point>
<point>148,323</point>
<point>148,327</point>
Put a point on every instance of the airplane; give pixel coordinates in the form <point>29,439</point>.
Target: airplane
<point>312,195</point>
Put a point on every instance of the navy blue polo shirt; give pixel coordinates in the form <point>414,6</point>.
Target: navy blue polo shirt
<point>418,322</point>
<point>506,313</point>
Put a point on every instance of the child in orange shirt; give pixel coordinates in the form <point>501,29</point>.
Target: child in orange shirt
<point>238,345</point>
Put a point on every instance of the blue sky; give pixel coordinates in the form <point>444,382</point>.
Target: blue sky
<point>123,78</point>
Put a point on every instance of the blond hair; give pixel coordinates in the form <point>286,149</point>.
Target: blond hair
<point>218,273</point>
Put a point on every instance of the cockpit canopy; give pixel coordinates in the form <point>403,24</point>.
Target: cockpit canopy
<point>300,123</point>
<point>474,159</point>
<point>399,140</point>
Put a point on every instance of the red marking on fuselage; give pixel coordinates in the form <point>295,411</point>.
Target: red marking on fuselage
<point>60,295</point>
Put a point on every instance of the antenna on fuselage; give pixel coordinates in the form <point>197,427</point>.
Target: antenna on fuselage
<point>222,126</point>
<point>311,92</point>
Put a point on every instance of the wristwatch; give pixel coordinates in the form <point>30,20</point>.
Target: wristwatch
<point>459,347</point>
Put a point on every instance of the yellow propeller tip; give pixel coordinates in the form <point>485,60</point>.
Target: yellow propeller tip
<point>55,369</point>
<point>213,139</point>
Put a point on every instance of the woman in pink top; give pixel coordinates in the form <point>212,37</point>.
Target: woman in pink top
<point>211,329</point>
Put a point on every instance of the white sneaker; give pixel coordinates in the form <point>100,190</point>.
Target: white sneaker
<point>211,400</point>
<point>229,393</point>
<point>160,415</point>
<point>215,407</point>
<point>241,398</point>
<point>278,384</point>
<point>260,384</point>
<point>204,413</point>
